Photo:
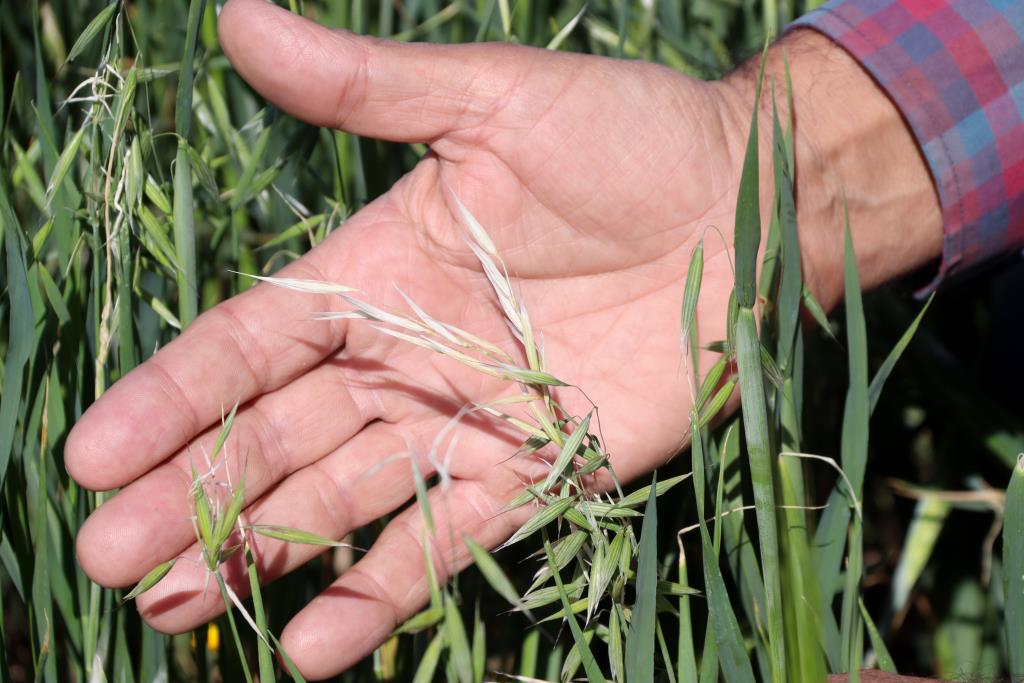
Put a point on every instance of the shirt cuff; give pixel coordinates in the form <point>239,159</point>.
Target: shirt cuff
<point>956,72</point>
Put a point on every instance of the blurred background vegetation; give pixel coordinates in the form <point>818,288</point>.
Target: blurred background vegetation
<point>95,277</point>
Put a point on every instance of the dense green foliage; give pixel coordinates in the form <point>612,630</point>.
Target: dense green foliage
<point>126,200</point>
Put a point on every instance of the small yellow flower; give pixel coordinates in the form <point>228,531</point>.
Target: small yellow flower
<point>212,638</point>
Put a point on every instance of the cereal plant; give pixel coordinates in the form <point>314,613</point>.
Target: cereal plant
<point>812,524</point>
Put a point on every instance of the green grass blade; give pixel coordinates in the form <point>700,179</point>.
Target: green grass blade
<point>493,573</point>
<point>428,663</point>
<point>594,674</point>
<point>64,164</point>
<point>851,628</point>
<point>528,654</point>
<point>730,651</point>
<point>184,237</point>
<point>184,216</point>
<point>640,639</point>
<point>1013,566</point>
<point>229,612</point>
<point>93,30</point>
<point>686,651</point>
<point>458,643</point>
<point>264,654</point>
<point>293,671</point>
<point>755,423</point>
<point>930,515</point>
<point>817,312</point>
<point>479,649</point>
<point>832,530</point>
<point>882,656</point>
<point>748,212</point>
<point>21,328</point>
<point>186,73</point>
<point>886,368</point>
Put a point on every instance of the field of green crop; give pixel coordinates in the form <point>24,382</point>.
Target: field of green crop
<point>827,526</point>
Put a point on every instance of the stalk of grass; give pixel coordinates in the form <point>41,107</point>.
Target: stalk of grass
<point>1013,567</point>
<point>235,635</point>
<point>752,396</point>
<point>640,640</point>
<point>594,674</point>
<point>4,667</point>
<point>62,243</point>
<point>686,651</point>
<point>19,344</point>
<point>804,654</point>
<point>184,210</point>
<point>729,650</point>
<point>882,656</point>
<point>264,654</point>
<point>454,629</point>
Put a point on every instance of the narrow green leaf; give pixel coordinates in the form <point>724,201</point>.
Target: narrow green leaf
<point>186,73</point>
<point>817,312</point>
<point>882,655</point>
<point>594,674</point>
<point>479,647</point>
<point>64,163</point>
<point>732,654</point>
<point>832,530</point>
<point>493,572</point>
<point>640,639</point>
<point>1013,566</point>
<point>686,652</point>
<point>755,423</point>
<point>95,27</point>
<point>53,295</point>
<point>428,663</point>
<point>886,368</point>
<point>293,671</point>
<point>930,515</point>
<point>748,211</point>
<point>184,236</point>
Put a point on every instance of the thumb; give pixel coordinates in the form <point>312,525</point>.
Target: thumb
<point>408,92</point>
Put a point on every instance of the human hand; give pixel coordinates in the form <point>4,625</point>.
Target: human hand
<point>595,178</point>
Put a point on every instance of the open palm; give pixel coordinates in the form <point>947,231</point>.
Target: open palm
<point>595,178</point>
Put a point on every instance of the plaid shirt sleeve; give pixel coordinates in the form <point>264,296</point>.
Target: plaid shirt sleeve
<point>955,68</point>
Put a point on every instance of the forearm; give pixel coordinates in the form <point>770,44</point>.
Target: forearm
<point>850,141</point>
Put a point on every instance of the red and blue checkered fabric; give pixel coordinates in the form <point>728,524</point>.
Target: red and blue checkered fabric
<point>955,69</point>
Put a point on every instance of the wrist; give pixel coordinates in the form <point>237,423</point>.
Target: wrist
<point>850,141</point>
